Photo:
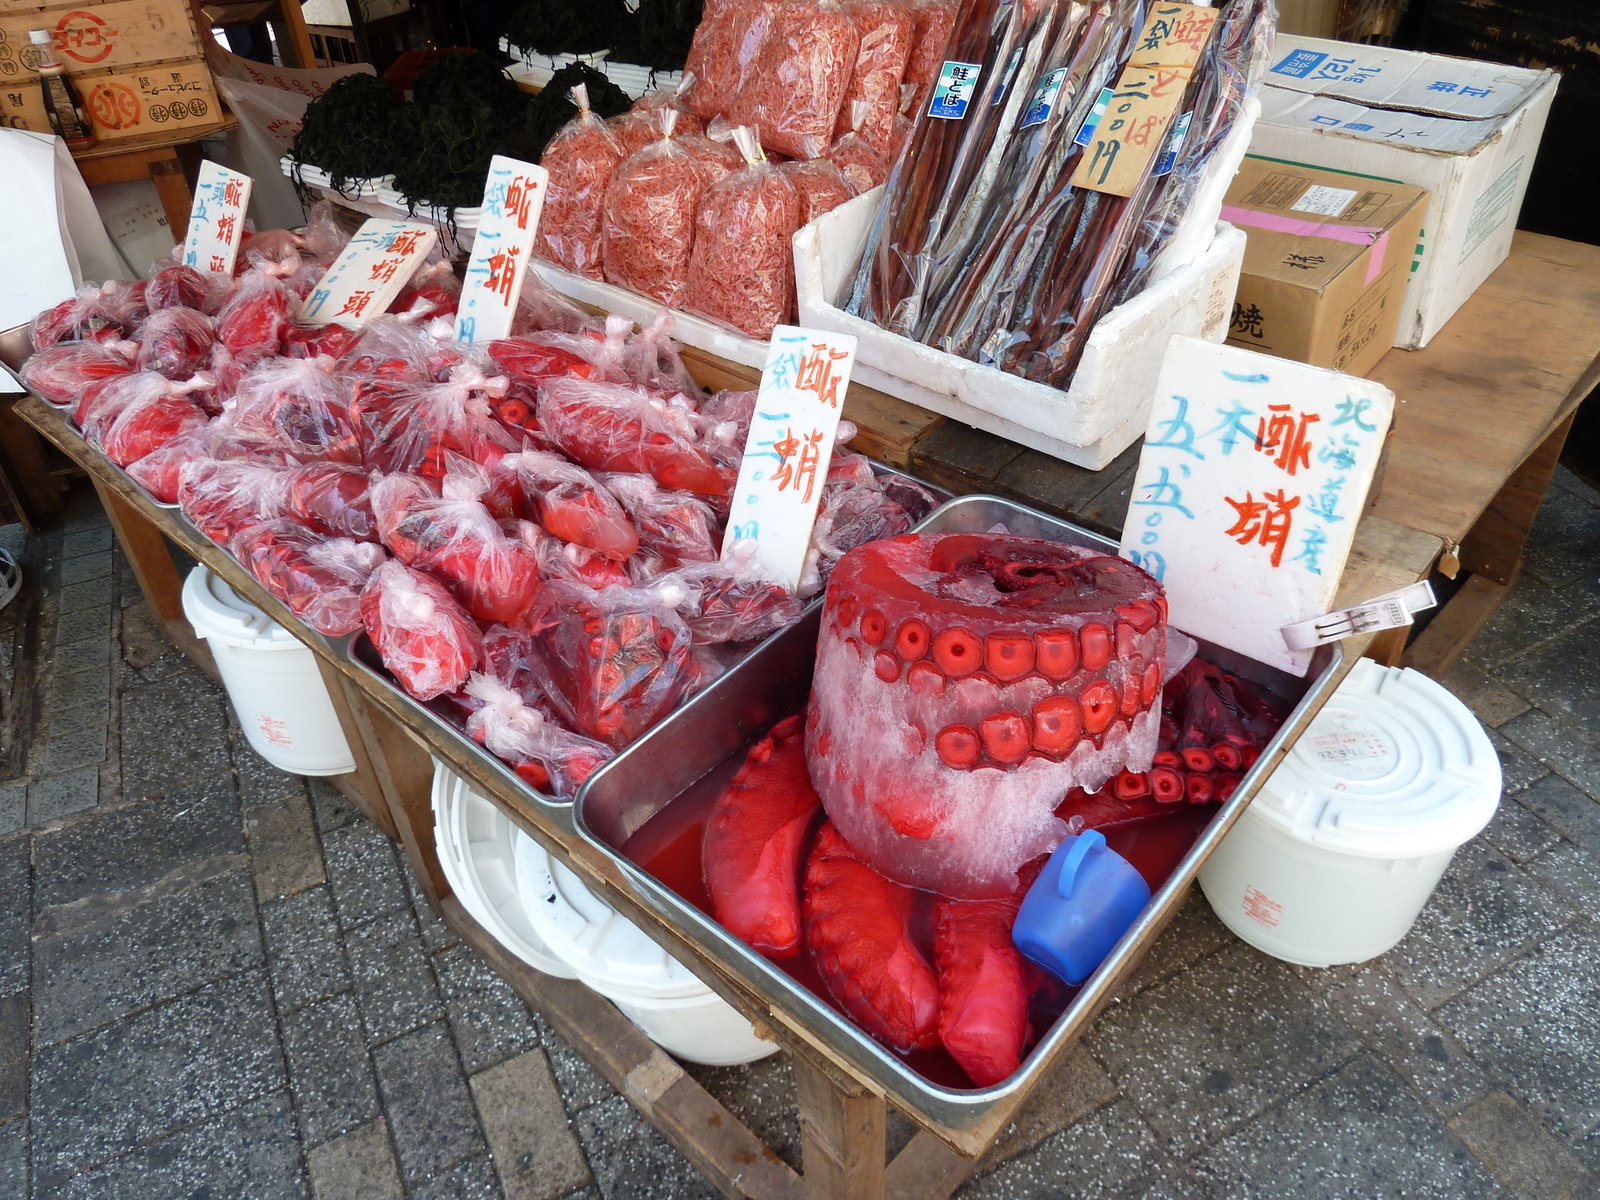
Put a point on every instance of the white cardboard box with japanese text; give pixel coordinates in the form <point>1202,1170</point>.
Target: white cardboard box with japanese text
<point>1467,131</point>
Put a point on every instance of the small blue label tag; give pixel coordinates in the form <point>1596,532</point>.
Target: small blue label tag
<point>1299,63</point>
<point>958,83</point>
<point>1169,156</point>
<point>1092,121</point>
<point>1044,99</point>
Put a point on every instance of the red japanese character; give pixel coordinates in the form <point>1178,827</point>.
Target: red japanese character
<point>1266,521</point>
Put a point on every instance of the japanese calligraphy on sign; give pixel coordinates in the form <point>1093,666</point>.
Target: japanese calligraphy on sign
<point>1253,477</point>
<point>369,273</point>
<point>790,445</point>
<point>216,219</point>
<point>1140,116</point>
<point>513,198</point>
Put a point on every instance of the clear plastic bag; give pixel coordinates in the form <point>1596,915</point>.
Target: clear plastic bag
<point>606,427</point>
<point>63,373</point>
<point>252,324</point>
<point>221,497</point>
<point>723,52</point>
<point>319,578</point>
<point>571,503</point>
<point>551,759</point>
<point>580,159</point>
<point>854,513</point>
<point>90,316</point>
<point>731,600</point>
<point>674,527</point>
<point>158,472</point>
<point>793,91</point>
<point>421,633</point>
<point>862,164</point>
<point>434,291</point>
<point>887,29</point>
<point>450,534</point>
<point>332,498</point>
<point>413,426</point>
<point>649,219</point>
<point>541,307</point>
<point>615,661</point>
<point>651,359</point>
<point>935,22</point>
<point>175,342</point>
<point>819,184</point>
<point>297,406</point>
<point>741,270</point>
<point>174,285</point>
<point>148,421</point>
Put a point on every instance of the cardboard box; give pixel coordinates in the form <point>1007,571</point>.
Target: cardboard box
<point>1467,131</point>
<point>101,38</point>
<point>1327,264</point>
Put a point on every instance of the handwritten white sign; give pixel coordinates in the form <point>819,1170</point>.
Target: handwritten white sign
<point>369,273</point>
<point>1252,479</point>
<point>513,198</point>
<point>216,219</point>
<point>790,445</point>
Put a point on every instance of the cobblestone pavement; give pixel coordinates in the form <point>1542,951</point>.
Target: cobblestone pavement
<point>218,981</point>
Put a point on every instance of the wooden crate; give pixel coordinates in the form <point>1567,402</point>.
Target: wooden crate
<point>104,37</point>
<point>125,104</point>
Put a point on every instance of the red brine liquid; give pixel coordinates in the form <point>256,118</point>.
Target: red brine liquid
<point>668,847</point>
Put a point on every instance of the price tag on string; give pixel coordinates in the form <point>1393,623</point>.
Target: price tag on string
<point>1253,477</point>
<point>513,198</point>
<point>790,445</point>
<point>369,273</point>
<point>216,219</point>
<point>1388,611</point>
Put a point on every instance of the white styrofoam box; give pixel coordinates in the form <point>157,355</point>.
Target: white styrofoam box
<point>1104,410</point>
<point>315,176</point>
<point>534,70</point>
<point>1467,131</point>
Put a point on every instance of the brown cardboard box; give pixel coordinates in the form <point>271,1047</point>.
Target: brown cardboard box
<point>1327,262</point>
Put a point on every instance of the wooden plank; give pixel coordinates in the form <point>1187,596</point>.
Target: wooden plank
<point>961,458</point>
<point>890,428</point>
<point>362,786</point>
<point>1384,556</point>
<point>842,1137</point>
<point>1486,392</point>
<point>35,490</point>
<point>927,1169</point>
<point>1494,547</point>
<point>1455,625</point>
<point>693,1120</point>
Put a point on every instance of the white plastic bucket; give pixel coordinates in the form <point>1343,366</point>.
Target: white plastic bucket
<point>476,843</point>
<point>272,680</point>
<point>1336,856</point>
<point>614,957</point>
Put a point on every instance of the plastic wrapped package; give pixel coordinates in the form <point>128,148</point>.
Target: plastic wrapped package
<point>252,324</point>
<point>724,50</point>
<point>793,91</point>
<point>580,159</point>
<point>449,533</point>
<point>158,472</point>
<point>421,633</point>
<point>103,401</point>
<point>854,512</point>
<point>148,421</point>
<point>554,760</point>
<point>333,498</point>
<point>393,348</point>
<point>607,427</point>
<point>728,415</point>
<point>297,406</point>
<point>88,316</point>
<point>435,286</point>
<point>935,21</point>
<point>319,578</point>
<point>508,660</point>
<point>741,270</point>
<point>414,426</point>
<point>863,165</point>
<point>651,359</point>
<point>221,497</point>
<point>541,307</point>
<point>731,600</point>
<point>820,185</point>
<point>323,239</point>
<point>887,29</point>
<point>648,226</point>
<point>62,373</point>
<point>964,683</point>
<point>716,159</point>
<point>570,503</point>
<point>313,341</point>
<point>615,661</point>
<point>674,527</point>
<point>175,342</point>
<point>178,286</point>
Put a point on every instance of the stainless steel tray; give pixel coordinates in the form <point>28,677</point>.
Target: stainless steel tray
<point>774,681</point>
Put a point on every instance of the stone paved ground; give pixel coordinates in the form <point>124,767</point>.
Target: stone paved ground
<point>217,981</point>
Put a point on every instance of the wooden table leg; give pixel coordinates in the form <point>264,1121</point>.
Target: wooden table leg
<point>842,1137</point>
<point>33,488</point>
<point>362,786</point>
<point>172,186</point>
<point>158,577</point>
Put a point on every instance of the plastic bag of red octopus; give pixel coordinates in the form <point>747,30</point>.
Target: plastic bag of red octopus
<point>651,359</point>
<point>298,406</point>
<point>888,35</point>
<point>175,285</point>
<point>251,325</point>
<point>222,497</point>
<point>86,317</point>
<point>732,600</point>
<point>62,373</point>
<point>568,561</point>
<point>580,159</point>
<point>332,498</point>
<point>391,347</point>
<point>149,421</point>
<point>723,51</point>
<point>435,284</point>
<point>541,307</point>
<point>175,342</point>
<point>323,239</point>
<point>551,759</point>
<point>447,531</point>
<point>615,661</point>
<point>648,218</point>
<point>102,403</point>
<point>855,513</point>
<point>319,578</point>
<point>797,84</point>
<point>606,427</point>
<point>859,160</point>
<point>413,426</point>
<point>570,503</point>
<point>741,270</point>
<point>674,527</point>
<point>421,633</point>
<point>312,341</point>
<point>158,472</point>
<point>725,426</point>
<point>819,184</point>
<point>934,21</point>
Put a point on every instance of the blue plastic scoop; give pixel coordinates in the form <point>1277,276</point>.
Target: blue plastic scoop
<point>1082,903</point>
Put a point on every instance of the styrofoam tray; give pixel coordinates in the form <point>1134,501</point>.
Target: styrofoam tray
<point>314,176</point>
<point>534,70</point>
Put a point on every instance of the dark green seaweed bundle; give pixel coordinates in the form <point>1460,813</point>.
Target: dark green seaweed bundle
<point>570,26</point>
<point>349,130</point>
<point>553,107</point>
<point>660,34</point>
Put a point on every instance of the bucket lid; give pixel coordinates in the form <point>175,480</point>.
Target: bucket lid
<point>1393,766</point>
<point>217,611</point>
<point>608,952</point>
